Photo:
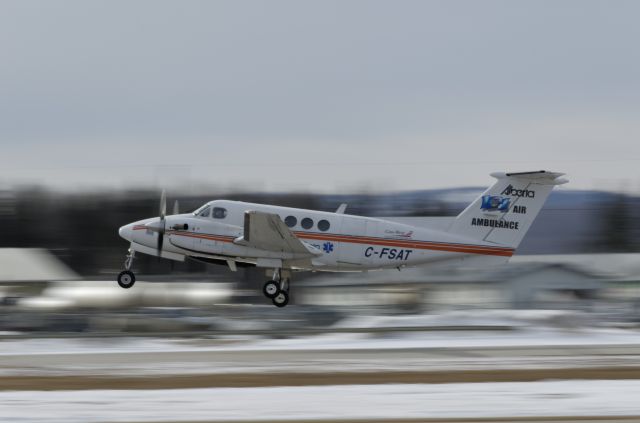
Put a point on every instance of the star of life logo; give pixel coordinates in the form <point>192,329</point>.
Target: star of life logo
<point>495,203</point>
<point>327,247</point>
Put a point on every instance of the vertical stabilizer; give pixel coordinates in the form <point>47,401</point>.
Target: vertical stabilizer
<point>504,213</point>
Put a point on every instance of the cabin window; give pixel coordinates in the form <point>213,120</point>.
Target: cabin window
<point>324,225</point>
<point>219,213</point>
<point>291,221</point>
<point>307,223</point>
<point>204,212</point>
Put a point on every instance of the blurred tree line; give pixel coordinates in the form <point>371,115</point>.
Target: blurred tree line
<point>620,228</point>
<point>82,229</point>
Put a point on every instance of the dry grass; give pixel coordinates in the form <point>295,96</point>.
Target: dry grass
<point>243,380</point>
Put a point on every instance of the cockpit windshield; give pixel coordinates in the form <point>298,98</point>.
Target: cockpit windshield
<point>203,211</point>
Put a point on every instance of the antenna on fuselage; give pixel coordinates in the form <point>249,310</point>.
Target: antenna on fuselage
<point>342,208</point>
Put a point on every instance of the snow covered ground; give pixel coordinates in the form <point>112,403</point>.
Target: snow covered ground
<point>530,346</point>
<point>533,347</point>
<point>526,337</point>
<point>471,400</point>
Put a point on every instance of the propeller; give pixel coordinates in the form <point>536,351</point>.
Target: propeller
<point>176,210</point>
<point>162,226</point>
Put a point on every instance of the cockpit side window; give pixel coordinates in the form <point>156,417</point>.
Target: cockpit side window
<point>204,212</point>
<point>219,213</point>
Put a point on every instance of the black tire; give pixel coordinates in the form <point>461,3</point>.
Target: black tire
<point>281,300</point>
<point>126,279</point>
<point>271,289</point>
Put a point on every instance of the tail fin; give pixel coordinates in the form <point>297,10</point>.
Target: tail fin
<point>504,213</point>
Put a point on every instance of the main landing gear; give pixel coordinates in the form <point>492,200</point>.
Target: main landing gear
<point>127,278</point>
<point>277,289</point>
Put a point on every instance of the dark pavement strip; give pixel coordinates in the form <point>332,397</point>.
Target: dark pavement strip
<point>261,379</point>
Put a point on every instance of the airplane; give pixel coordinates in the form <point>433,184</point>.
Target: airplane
<point>284,240</point>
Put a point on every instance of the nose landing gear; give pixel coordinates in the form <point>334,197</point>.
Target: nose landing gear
<point>277,289</point>
<point>127,278</point>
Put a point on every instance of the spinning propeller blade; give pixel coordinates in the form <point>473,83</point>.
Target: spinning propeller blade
<point>176,210</point>
<point>163,204</point>
<point>162,226</point>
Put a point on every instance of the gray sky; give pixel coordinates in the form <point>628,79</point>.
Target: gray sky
<point>318,95</point>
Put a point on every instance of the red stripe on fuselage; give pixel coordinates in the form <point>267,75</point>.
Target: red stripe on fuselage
<point>415,244</point>
<point>353,239</point>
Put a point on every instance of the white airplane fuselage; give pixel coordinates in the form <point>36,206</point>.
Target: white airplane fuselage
<point>341,242</point>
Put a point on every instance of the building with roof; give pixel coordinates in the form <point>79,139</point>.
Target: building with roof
<point>554,281</point>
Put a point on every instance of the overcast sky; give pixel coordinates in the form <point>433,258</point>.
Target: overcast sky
<point>318,95</point>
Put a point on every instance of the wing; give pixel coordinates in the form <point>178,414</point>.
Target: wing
<point>266,231</point>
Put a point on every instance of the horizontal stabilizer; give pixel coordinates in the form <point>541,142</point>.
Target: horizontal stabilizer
<point>541,177</point>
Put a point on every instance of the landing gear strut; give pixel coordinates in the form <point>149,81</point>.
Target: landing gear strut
<point>127,278</point>
<point>277,289</point>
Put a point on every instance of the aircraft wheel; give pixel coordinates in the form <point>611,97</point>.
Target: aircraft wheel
<point>281,299</point>
<point>126,279</point>
<point>270,289</point>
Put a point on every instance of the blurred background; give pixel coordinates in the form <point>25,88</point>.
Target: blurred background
<point>401,110</point>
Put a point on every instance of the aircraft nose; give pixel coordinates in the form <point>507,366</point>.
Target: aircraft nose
<point>126,232</point>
